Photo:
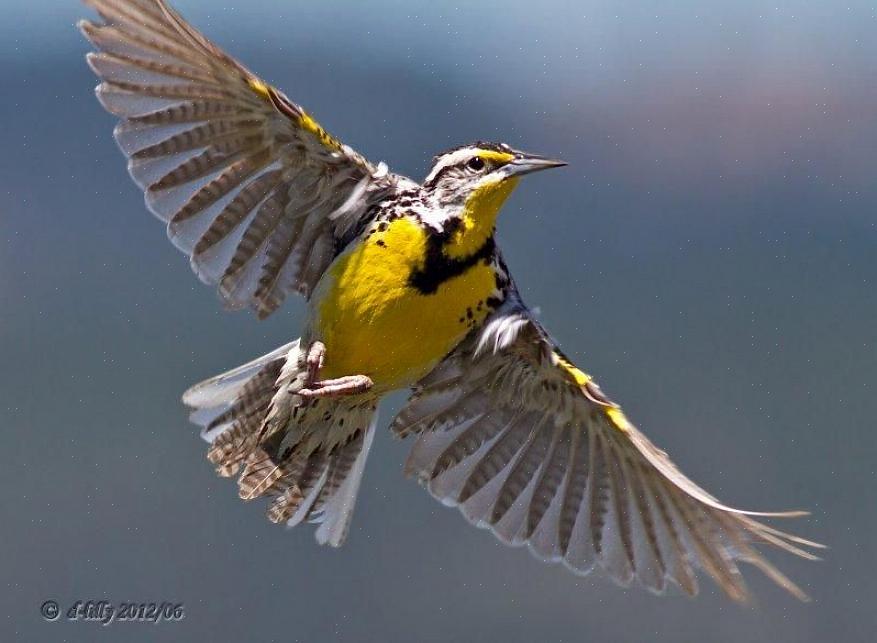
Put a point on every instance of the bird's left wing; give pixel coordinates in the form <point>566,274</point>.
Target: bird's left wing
<point>527,445</point>
<point>251,187</point>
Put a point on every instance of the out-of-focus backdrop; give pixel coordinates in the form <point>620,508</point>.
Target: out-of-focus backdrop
<point>710,255</point>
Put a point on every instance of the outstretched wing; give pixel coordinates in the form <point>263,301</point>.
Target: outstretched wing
<point>251,187</point>
<point>528,446</point>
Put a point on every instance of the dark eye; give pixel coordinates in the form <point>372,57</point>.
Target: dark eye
<point>476,163</point>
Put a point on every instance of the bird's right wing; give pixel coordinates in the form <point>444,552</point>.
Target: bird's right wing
<point>526,445</point>
<point>251,187</point>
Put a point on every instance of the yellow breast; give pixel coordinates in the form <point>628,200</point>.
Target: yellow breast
<point>374,322</point>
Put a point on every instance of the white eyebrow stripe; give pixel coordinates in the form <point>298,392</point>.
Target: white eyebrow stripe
<point>459,156</point>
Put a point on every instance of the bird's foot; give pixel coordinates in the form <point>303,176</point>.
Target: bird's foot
<point>347,385</point>
<point>314,387</point>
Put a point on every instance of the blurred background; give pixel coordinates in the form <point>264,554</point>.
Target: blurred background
<point>709,255</point>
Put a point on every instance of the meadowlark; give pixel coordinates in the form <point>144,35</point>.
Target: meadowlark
<point>406,288</point>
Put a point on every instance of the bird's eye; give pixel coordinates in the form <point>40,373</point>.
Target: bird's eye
<point>476,163</point>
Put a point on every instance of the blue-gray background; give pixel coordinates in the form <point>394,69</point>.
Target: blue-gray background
<point>709,254</point>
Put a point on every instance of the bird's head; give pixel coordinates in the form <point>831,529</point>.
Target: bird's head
<point>470,183</point>
<point>480,168</point>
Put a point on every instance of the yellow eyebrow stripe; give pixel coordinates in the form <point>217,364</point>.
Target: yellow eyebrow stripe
<point>493,155</point>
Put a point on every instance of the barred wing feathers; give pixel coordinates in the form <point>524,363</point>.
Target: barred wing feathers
<point>526,445</point>
<point>251,187</point>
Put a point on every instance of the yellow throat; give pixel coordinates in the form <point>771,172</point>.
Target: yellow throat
<point>478,217</point>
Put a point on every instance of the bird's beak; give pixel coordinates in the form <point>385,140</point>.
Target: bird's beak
<point>527,163</point>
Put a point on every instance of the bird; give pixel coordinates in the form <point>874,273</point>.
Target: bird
<point>406,288</point>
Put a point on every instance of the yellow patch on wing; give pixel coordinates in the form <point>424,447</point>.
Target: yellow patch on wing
<point>578,376</point>
<point>618,418</point>
<point>373,322</point>
<point>260,88</point>
<point>612,411</point>
<point>314,128</point>
<point>305,120</point>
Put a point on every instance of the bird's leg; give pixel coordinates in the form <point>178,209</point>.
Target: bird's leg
<point>316,357</point>
<point>314,387</point>
<point>347,385</point>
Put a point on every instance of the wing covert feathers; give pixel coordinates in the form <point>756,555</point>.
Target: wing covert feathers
<point>526,445</point>
<point>251,187</point>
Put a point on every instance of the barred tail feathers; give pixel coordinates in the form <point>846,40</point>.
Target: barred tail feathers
<point>306,456</point>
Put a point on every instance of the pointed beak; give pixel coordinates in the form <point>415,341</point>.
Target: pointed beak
<point>527,163</point>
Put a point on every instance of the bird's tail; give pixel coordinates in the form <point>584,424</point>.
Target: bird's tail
<point>308,456</point>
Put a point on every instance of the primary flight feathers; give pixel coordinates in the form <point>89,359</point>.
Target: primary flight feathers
<point>249,184</point>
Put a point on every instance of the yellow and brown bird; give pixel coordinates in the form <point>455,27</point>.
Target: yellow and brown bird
<point>406,287</point>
